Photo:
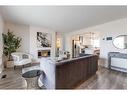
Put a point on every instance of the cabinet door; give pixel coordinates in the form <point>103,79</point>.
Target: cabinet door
<point>119,62</point>
<point>88,67</point>
<point>94,64</point>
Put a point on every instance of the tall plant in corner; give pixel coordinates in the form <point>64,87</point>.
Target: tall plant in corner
<point>10,44</point>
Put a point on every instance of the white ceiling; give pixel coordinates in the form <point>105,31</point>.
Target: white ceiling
<point>63,18</point>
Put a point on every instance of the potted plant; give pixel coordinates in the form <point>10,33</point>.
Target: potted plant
<point>10,44</point>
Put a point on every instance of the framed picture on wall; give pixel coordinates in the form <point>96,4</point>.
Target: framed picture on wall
<point>44,39</point>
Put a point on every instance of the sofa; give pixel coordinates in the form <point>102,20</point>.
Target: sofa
<point>68,74</point>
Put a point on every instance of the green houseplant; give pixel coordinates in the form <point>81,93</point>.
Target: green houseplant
<point>10,44</point>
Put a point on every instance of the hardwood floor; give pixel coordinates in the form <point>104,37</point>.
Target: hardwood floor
<point>104,79</point>
<point>14,80</point>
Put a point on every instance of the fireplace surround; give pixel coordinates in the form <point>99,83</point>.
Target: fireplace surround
<point>44,53</point>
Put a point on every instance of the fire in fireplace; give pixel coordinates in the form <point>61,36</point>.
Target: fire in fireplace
<point>43,53</point>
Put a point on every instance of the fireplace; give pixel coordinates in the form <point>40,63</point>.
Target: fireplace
<point>43,53</point>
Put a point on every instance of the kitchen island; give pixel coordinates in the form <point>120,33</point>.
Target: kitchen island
<point>67,74</point>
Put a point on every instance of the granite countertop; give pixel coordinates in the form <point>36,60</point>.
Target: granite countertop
<point>117,54</point>
<point>72,59</point>
<point>58,62</point>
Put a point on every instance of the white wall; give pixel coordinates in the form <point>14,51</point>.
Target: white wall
<point>21,31</point>
<point>111,29</point>
<point>1,44</point>
<point>33,40</point>
<point>29,37</point>
<point>60,36</point>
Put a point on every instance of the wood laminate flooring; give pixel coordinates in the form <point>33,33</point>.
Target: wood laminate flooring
<point>104,79</point>
<point>14,80</point>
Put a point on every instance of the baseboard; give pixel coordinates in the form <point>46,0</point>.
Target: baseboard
<point>119,69</point>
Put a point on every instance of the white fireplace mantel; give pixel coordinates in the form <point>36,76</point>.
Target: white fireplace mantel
<point>46,48</point>
<point>33,41</point>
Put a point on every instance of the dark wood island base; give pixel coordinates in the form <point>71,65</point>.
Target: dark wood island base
<point>69,73</point>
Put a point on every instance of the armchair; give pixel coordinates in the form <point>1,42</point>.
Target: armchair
<point>21,59</point>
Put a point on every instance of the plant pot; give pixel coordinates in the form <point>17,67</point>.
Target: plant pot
<point>9,64</point>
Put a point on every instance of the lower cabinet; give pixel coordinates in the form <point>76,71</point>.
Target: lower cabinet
<point>92,66</point>
<point>119,64</point>
<point>89,66</point>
